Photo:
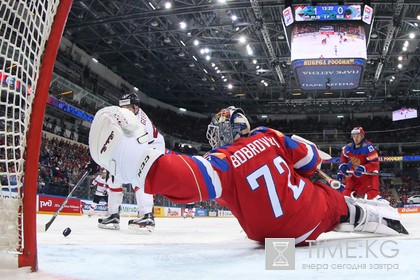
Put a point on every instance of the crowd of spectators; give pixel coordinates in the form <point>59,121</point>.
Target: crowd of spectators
<point>409,186</point>
<point>187,128</point>
<point>378,129</point>
<point>61,164</point>
<point>387,194</point>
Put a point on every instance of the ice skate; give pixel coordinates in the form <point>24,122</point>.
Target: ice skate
<point>145,224</point>
<point>111,222</point>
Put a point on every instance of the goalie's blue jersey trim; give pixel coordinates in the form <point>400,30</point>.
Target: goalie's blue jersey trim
<point>209,185</point>
<point>219,163</point>
<point>290,143</point>
<point>313,161</point>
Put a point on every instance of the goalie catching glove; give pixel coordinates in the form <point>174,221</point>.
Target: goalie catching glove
<point>120,144</point>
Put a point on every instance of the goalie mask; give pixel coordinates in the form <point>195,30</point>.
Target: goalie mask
<point>227,126</point>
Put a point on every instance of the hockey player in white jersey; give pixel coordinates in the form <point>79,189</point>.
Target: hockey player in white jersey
<point>189,211</point>
<point>101,190</point>
<point>144,201</point>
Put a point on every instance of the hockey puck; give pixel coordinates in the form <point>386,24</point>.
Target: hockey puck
<point>66,232</point>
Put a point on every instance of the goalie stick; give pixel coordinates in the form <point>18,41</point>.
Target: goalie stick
<point>47,225</point>
<point>335,184</point>
<point>323,155</point>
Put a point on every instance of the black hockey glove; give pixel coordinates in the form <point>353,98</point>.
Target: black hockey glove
<point>92,167</point>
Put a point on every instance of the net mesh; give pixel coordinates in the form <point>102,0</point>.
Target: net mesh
<point>24,27</point>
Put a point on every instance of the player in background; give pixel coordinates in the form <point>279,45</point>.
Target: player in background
<point>115,199</point>
<point>144,201</point>
<point>262,175</point>
<point>359,156</point>
<point>189,211</point>
<point>101,190</point>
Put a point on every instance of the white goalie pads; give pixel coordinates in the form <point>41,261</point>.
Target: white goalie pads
<point>119,143</point>
<point>376,216</point>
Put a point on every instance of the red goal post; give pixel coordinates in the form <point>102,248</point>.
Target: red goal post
<point>31,31</point>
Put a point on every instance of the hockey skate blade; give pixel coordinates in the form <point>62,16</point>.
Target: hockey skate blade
<point>141,230</point>
<point>109,226</point>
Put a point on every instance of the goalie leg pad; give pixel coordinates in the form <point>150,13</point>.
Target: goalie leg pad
<point>374,216</point>
<point>119,143</point>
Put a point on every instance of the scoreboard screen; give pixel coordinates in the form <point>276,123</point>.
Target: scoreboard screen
<point>328,40</point>
<point>328,55</point>
<point>404,114</point>
<point>321,13</point>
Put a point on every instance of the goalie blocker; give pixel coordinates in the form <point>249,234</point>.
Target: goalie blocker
<point>119,143</point>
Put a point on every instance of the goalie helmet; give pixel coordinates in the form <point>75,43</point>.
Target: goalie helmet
<point>227,126</point>
<point>129,99</point>
<point>358,130</point>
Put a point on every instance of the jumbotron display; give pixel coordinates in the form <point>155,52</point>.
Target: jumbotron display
<point>328,55</point>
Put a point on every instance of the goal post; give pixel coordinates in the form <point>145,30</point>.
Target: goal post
<point>31,31</point>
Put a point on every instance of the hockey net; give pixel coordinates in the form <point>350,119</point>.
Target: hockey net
<point>30,33</point>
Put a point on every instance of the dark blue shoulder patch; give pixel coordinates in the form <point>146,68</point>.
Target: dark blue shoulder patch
<point>219,163</point>
<point>290,143</point>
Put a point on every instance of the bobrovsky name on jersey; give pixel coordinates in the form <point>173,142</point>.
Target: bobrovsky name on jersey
<point>252,149</point>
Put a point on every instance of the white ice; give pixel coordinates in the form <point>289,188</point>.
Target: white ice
<point>209,248</point>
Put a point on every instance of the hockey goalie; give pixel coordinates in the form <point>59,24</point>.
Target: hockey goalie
<point>262,175</point>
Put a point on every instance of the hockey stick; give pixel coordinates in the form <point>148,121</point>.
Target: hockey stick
<point>47,225</point>
<point>364,173</point>
<point>335,184</point>
<point>323,155</point>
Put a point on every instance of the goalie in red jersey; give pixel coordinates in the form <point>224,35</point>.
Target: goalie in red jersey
<point>262,175</point>
<point>359,157</point>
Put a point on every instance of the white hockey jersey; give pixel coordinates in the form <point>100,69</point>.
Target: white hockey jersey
<point>158,141</point>
<point>101,185</point>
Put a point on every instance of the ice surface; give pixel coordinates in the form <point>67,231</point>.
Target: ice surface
<point>210,248</point>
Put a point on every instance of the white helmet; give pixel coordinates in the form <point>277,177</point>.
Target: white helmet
<point>227,126</point>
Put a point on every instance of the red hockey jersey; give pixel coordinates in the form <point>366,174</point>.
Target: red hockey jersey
<point>263,179</point>
<point>367,156</point>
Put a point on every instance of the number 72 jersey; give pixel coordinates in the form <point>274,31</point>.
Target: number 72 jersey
<point>263,179</point>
